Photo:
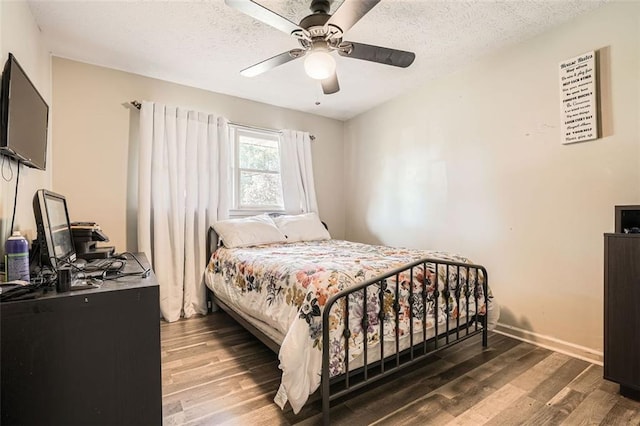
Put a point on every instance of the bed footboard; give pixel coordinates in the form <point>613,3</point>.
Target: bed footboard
<point>464,285</point>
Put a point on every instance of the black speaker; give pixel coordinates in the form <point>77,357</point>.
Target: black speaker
<point>63,283</point>
<point>627,219</point>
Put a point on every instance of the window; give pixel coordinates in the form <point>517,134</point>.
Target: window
<point>257,183</point>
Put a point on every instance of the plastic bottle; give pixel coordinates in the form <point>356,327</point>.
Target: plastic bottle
<point>17,258</point>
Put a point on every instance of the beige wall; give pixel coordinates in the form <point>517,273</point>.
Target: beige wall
<point>472,163</point>
<point>95,158</point>
<point>20,35</point>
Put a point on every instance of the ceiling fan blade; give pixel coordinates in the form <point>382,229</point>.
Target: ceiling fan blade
<point>350,12</point>
<point>382,55</point>
<point>262,14</point>
<point>330,85</point>
<point>273,62</point>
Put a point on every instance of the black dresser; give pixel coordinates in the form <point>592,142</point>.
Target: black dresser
<point>83,357</point>
<point>622,312</point>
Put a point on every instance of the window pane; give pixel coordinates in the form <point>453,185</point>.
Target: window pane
<point>258,154</point>
<point>260,189</point>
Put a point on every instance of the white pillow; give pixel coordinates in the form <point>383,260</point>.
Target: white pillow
<point>249,231</point>
<point>302,227</point>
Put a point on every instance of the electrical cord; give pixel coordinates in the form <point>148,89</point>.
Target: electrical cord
<point>15,200</point>
<point>107,274</point>
<point>79,272</point>
<point>58,260</point>
<point>144,273</point>
<point>10,178</point>
<point>18,292</point>
<point>45,280</point>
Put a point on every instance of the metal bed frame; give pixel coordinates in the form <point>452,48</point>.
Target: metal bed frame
<point>464,288</point>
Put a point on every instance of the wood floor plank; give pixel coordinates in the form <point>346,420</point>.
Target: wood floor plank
<point>341,415</point>
<point>460,351</point>
<point>215,372</point>
<point>545,415</point>
<point>557,381</point>
<point>540,372</point>
<point>268,415</point>
<point>429,410</point>
<point>517,413</point>
<point>489,407</point>
<point>593,409</point>
<point>516,368</point>
<point>621,414</point>
<point>222,349</point>
<point>498,363</point>
<point>462,402</point>
<point>173,419</point>
<point>566,400</point>
<point>171,408</point>
<point>589,380</point>
<point>225,387</point>
<point>192,362</point>
<point>206,374</point>
<point>455,385</point>
<point>397,393</point>
<point>228,407</point>
<point>462,385</point>
<point>466,396</point>
<point>403,397</point>
<point>486,373</point>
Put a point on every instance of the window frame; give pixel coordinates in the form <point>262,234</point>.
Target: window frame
<point>237,131</point>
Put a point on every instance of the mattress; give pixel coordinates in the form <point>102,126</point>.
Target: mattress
<point>284,287</point>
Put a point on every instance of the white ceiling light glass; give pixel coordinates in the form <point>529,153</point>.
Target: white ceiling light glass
<point>319,64</point>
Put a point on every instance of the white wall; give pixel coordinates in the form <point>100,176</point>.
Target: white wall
<point>95,158</point>
<point>472,163</point>
<point>20,35</point>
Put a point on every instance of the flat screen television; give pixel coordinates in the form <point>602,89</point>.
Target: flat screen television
<point>24,117</point>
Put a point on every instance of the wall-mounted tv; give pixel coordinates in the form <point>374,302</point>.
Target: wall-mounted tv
<point>24,117</point>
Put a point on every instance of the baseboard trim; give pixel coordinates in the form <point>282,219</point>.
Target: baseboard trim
<point>552,343</point>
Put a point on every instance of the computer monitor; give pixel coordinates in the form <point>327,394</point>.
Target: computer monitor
<point>54,228</point>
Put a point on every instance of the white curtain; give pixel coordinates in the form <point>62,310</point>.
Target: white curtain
<point>297,172</point>
<point>183,189</point>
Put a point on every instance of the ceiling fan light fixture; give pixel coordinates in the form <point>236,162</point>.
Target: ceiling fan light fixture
<point>319,65</point>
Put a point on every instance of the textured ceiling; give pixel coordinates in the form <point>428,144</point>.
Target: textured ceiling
<point>206,43</point>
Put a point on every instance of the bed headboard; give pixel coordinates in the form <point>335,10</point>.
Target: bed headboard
<point>213,240</point>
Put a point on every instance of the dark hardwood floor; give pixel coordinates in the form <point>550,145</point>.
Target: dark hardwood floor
<point>214,372</point>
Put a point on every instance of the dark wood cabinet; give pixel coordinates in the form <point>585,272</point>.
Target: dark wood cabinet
<point>83,357</point>
<point>622,312</point>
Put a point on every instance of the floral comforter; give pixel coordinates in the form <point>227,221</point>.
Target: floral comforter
<point>287,286</point>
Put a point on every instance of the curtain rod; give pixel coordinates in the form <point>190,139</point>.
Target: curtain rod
<point>138,105</point>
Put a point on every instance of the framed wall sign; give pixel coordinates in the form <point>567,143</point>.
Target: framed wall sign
<point>578,97</point>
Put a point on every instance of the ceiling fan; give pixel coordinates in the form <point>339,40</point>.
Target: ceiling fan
<point>319,35</point>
